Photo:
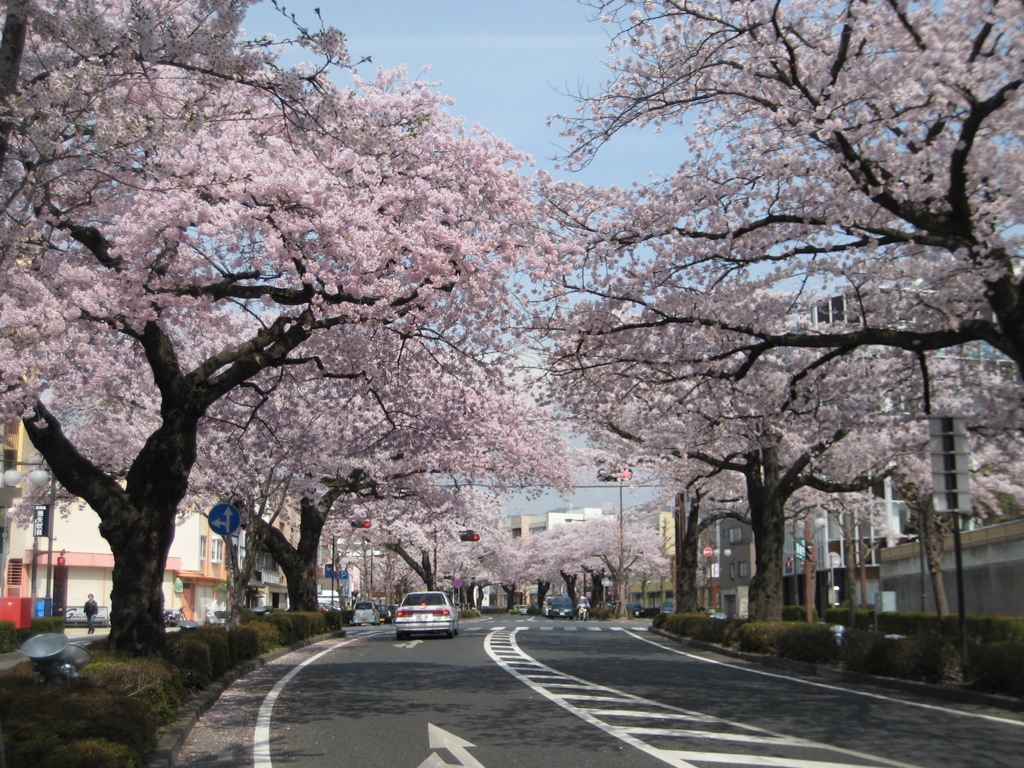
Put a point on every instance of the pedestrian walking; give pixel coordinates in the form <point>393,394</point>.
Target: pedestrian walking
<point>91,609</point>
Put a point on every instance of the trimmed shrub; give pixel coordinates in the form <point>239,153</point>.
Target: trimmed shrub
<point>40,719</point>
<point>797,613</point>
<point>926,658</point>
<point>91,753</point>
<point>470,613</point>
<point>908,623</point>
<point>997,668</point>
<point>659,620</point>
<point>604,614</point>
<point>153,682</point>
<point>244,642</point>
<point>987,629</point>
<point>216,638</point>
<point>41,625</point>
<point>862,619</point>
<point>333,620</point>
<point>8,636</point>
<point>812,643</point>
<point>299,625</point>
<point>267,634</point>
<point>761,636</point>
<point>191,657</point>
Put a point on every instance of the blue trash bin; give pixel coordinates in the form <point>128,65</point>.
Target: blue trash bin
<point>43,608</point>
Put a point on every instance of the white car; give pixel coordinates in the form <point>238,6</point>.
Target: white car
<point>365,613</point>
<point>424,613</point>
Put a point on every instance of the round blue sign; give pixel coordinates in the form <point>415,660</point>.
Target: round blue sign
<point>224,519</point>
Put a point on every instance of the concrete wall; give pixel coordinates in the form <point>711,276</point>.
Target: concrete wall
<point>993,572</point>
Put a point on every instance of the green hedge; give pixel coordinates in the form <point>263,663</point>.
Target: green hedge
<point>110,716</point>
<point>927,658</point>
<point>980,629</point>
<point>997,667</point>
<point>86,726</point>
<point>797,613</point>
<point>8,636</point>
<point>41,625</point>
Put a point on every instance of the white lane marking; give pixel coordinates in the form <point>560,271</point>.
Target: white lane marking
<point>442,739</point>
<point>830,687</point>
<point>261,734</point>
<point>573,693</point>
<point>410,644</point>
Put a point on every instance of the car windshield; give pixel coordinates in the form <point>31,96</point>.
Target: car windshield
<point>560,602</point>
<point>423,598</point>
<point>364,606</point>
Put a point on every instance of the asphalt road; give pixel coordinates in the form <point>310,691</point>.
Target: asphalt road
<point>528,692</point>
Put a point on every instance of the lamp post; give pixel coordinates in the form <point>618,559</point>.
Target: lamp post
<point>716,572</point>
<point>810,562</point>
<point>38,477</point>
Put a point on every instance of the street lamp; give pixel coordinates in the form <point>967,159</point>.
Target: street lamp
<point>716,573</point>
<point>38,477</point>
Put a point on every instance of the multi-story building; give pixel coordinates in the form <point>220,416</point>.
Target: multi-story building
<point>58,559</point>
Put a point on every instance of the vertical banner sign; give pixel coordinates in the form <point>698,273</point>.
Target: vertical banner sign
<point>950,455</point>
<point>41,520</point>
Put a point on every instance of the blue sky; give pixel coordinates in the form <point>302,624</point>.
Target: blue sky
<point>509,65</point>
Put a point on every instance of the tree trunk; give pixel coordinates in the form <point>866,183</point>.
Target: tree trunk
<point>543,587</point>
<point>768,521</point>
<point>299,562</point>
<point>136,520</point>
<point>850,558</point>
<point>934,535</point>
<point>423,568</point>
<point>687,548</point>
<point>931,535</point>
<point>570,580</point>
<point>510,596</point>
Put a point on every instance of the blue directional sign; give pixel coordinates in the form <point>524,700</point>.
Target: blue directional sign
<point>224,519</point>
<point>343,575</point>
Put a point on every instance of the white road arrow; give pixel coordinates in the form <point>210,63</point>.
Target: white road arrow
<point>410,644</point>
<point>441,739</point>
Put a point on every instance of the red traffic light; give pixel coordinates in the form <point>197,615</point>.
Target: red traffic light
<point>469,536</point>
<point>360,523</point>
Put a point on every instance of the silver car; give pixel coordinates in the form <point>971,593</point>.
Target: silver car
<point>365,613</point>
<point>424,612</point>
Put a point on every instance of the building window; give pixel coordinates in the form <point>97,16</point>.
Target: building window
<point>744,570</point>
<point>216,550</point>
<point>735,535</point>
<point>202,547</point>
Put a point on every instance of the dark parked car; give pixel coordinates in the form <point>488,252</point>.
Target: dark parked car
<point>634,609</point>
<point>559,607</point>
<point>386,613</point>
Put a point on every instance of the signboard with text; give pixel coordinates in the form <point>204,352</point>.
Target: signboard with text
<point>41,520</point>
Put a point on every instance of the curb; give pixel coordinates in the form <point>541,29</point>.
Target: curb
<point>945,692</point>
<point>174,737</point>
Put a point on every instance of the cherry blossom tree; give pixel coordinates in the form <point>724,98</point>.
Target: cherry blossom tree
<point>828,428</point>
<point>870,150</point>
<point>174,196</point>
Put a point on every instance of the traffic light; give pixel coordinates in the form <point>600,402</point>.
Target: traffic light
<point>469,536</point>
<point>360,523</point>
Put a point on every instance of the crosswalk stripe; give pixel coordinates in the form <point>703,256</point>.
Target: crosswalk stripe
<point>590,702</point>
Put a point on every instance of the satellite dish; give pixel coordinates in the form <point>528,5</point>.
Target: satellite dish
<point>57,660</point>
<point>77,656</point>
<point>45,648</point>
